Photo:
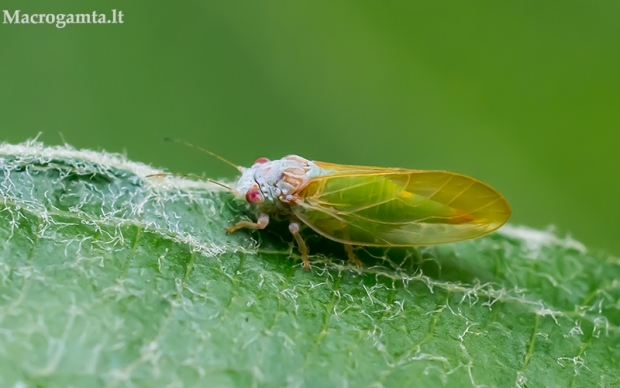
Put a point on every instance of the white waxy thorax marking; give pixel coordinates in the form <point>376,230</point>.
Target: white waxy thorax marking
<point>278,180</point>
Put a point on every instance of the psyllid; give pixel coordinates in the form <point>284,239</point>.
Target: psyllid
<point>367,206</point>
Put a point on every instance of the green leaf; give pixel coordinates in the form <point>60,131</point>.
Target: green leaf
<point>109,278</point>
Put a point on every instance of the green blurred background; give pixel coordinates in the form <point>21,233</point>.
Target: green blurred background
<point>522,95</point>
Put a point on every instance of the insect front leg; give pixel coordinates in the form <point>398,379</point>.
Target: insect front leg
<point>261,223</point>
<point>352,258</point>
<point>293,227</point>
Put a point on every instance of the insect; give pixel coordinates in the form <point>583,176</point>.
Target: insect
<point>368,206</point>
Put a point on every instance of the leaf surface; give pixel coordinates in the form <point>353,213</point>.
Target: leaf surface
<point>110,279</point>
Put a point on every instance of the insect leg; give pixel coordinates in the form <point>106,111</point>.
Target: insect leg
<point>261,223</point>
<point>293,227</point>
<point>352,258</point>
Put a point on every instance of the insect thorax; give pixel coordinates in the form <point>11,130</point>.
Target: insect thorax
<point>279,180</point>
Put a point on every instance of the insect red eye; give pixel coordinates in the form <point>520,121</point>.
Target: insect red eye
<point>261,161</point>
<point>253,196</point>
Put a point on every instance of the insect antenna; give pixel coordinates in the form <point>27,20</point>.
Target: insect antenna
<point>239,168</point>
<point>161,175</point>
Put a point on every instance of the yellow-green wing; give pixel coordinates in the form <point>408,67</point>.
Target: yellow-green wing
<point>398,207</point>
